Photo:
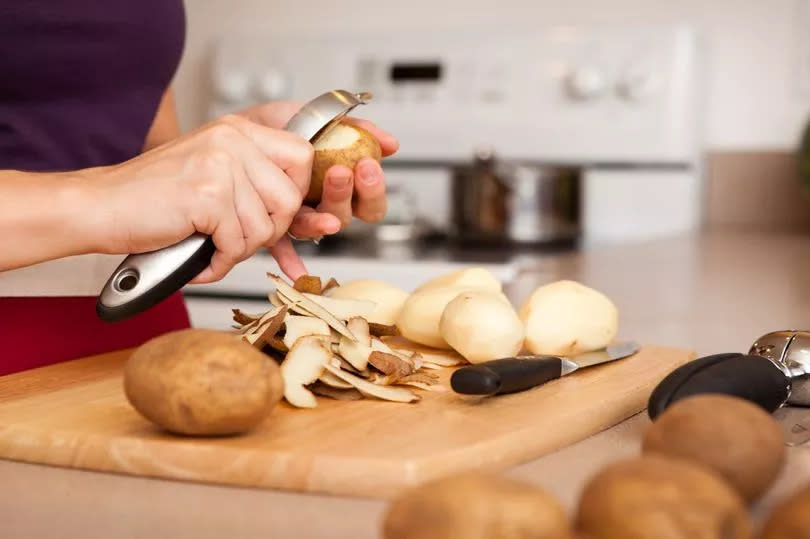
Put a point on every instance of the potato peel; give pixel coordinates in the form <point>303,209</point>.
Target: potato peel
<point>330,284</point>
<point>331,380</point>
<point>382,330</point>
<point>277,343</point>
<point>394,394</point>
<point>300,326</point>
<point>255,329</point>
<point>274,300</point>
<point>338,355</point>
<point>269,330</point>
<point>243,318</point>
<point>445,358</point>
<point>343,309</point>
<point>325,390</point>
<point>303,365</point>
<point>356,352</point>
<point>309,307</point>
<point>309,284</point>
<point>390,365</point>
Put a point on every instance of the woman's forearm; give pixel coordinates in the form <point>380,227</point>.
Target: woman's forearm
<point>44,216</point>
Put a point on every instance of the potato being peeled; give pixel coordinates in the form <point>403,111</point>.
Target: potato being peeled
<point>481,326</point>
<point>202,382</point>
<point>345,145</point>
<point>567,318</point>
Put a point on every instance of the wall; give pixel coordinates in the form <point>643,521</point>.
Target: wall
<point>753,100</point>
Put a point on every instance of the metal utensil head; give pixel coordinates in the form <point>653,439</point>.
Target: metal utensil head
<point>790,351</point>
<point>321,114</point>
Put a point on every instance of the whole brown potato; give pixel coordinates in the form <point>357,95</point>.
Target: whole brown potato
<point>475,506</point>
<point>736,438</point>
<point>658,497</point>
<point>202,382</point>
<point>791,518</point>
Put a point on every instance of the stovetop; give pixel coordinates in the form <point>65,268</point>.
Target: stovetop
<point>405,264</point>
<point>436,248</point>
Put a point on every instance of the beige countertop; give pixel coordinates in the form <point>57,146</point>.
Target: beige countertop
<point>710,294</point>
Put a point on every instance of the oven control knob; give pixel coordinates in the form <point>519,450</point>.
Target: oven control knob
<point>636,86</point>
<point>233,86</point>
<point>586,83</point>
<point>273,85</point>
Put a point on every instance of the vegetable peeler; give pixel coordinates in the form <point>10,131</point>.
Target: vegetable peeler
<point>773,373</point>
<point>145,279</point>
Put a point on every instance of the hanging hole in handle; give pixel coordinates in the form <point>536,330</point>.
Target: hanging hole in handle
<point>126,280</point>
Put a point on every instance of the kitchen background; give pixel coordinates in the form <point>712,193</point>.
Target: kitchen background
<point>728,135</point>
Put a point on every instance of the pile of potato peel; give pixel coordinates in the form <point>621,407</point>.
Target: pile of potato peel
<point>329,348</point>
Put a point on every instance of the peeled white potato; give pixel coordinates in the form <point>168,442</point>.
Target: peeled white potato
<point>418,321</point>
<point>481,327</point>
<point>388,298</point>
<point>566,317</point>
<point>475,277</point>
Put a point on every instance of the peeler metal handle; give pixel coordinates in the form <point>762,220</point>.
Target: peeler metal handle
<point>145,279</point>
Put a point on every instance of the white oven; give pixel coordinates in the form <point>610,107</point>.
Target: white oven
<point>621,104</point>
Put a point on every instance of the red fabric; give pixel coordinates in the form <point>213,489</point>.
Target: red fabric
<point>37,331</point>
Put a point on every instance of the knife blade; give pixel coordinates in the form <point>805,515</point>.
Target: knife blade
<point>519,373</point>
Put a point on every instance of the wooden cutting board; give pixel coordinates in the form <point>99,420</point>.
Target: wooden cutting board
<point>75,415</point>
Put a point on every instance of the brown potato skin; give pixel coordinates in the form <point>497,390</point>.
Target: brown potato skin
<point>202,383</point>
<point>367,146</point>
<point>657,497</point>
<point>475,506</point>
<point>790,519</point>
<point>734,437</point>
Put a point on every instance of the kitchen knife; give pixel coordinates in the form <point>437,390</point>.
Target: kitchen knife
<point>145,279</point>
<point>513,374</point>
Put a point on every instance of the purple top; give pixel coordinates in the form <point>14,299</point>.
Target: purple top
<point>81,80</point>
<point>80,83</point>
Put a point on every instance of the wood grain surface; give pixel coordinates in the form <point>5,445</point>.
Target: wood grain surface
<point>75,415</point>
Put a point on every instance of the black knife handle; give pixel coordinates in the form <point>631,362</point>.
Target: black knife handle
<point>750,377</point>
<point>507,375</point>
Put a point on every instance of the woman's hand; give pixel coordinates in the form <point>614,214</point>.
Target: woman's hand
<point>236,180</point>
<point>347,193</point>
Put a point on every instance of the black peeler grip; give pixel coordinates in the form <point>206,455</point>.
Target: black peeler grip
<point>750,377</point>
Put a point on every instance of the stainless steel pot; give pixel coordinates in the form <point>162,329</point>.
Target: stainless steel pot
<point>505,202</point>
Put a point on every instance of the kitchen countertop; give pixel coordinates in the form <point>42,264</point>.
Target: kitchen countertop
<point>711,293</point>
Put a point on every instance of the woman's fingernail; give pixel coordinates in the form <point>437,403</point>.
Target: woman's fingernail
<point>369,171</point>
<point>340,181</point>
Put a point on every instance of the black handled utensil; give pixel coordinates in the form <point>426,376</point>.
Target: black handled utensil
<point>750,377</point>
<point>513,374</point>
<point>773,373</point>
